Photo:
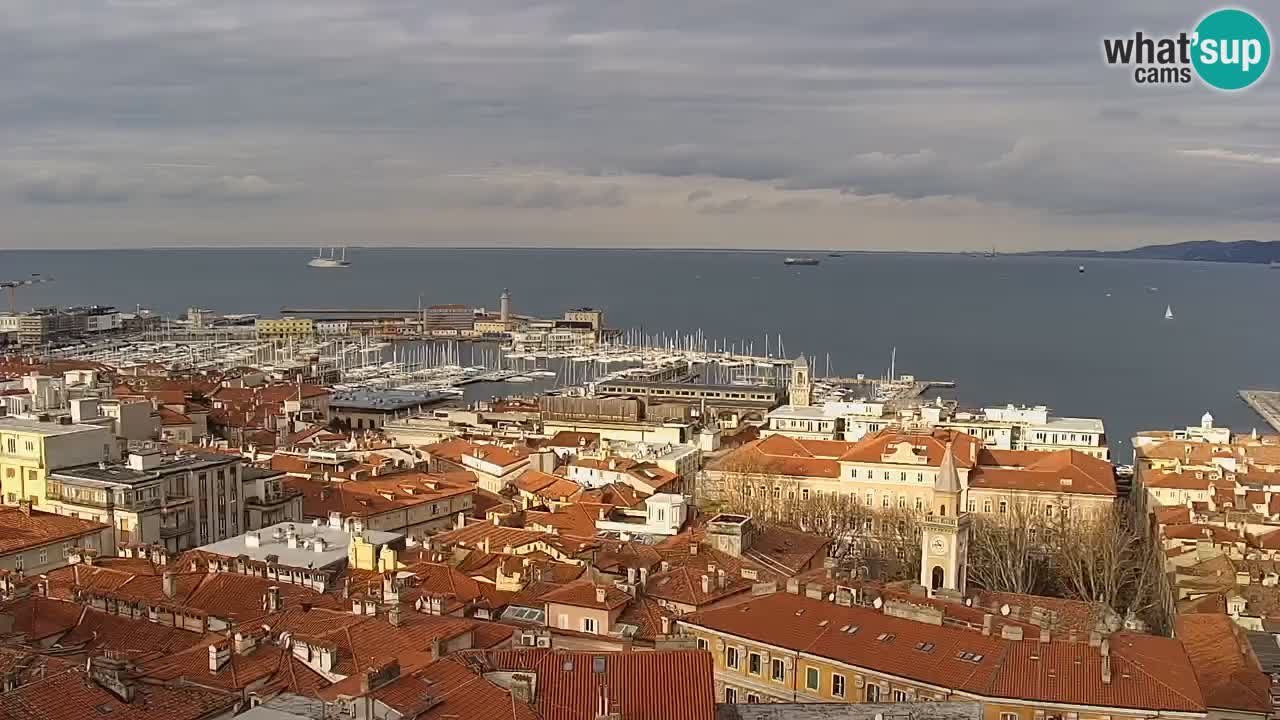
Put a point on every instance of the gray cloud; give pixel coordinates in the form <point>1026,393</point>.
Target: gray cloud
<point>76,188</point>
<point>727,207</point>
<point>362,105</point>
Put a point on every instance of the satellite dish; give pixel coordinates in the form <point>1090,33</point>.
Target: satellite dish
<point>878,603</point>
<point>1004,609</point>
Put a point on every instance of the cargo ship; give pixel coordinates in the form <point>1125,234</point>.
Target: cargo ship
<point>800,261</point>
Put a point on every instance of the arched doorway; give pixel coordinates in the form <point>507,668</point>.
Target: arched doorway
<point>938,574</point>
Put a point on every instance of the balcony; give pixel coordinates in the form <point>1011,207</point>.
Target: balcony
<point>171,531</point>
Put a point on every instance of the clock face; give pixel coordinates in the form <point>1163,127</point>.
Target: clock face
<point>938,545</point>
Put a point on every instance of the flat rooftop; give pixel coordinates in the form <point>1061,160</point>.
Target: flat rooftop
<point>49,429</point>
<point>273,540</point>
<point>384,400</point>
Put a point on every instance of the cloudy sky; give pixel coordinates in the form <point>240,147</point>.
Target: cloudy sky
<point>914,124</point>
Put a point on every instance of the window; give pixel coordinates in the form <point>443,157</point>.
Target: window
<point>589,625</point>
<point>753,663</point>
<point>731,696</point>
<point>887,475</point>
<point>30,446</point>
<point>899,696</point>
<point>902,501</point>
<point>837,685</point>
<point>873,693</point>
<point>812,678</point>
<point>871,499</point>
<point>13,445</point>
<point>919,477</point>
<point>1004,507</point>
<point>17,561</point>
<point>777,492</point>
<point>884,501</point>
<point>731,657</point>
<point>703,644</point>
<point>804,494</point>
<point>973,506</point>
<point>752,698</point>
<point>986,506</point>
<point>778,671</point>
<point>44,555</point>
<point>1008,716</point>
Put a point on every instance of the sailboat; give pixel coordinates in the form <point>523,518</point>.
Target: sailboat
<point>332,261</point>
<point>1168,312</point>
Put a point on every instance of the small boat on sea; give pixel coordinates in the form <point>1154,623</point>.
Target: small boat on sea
<point>331,261</point>
<point>1168,312</point>
<point>801,261</point>
<point>1081,268</point>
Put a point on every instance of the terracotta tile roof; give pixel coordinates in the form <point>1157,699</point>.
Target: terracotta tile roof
<point>683,585</point>
<point>169,417</point>
<point>375,495</point>
<point>647,614</point>
<point>615,494</point>
<point>498,536</point>
<point>38,618</point>
<point>545,485</point>
<point>569,686</point>
<point>498,455</point>
<point>71,695</point>
<point>583,593</point>
<point>648,474</point>
<point>1172,515</point>
<point>1228,672</point>
<point>1068,471</point>
<point>778,455</point>
<point>1148,673</point>
<point>1185,480</point>
<point>24,666</point>
<point>451,450</point>
<point>786,551</point>
<point>573,439</point>
<point>464,692</point>
<point>127,637</point>
<point>29,530</point>
<point>1197,531</point>
<point>576,520</point>
<point>931,447</point>
<point>267,662</point>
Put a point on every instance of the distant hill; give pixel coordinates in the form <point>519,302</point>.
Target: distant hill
<point>1240,251</point>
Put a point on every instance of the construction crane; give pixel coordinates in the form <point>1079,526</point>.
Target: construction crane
<point>13,285</point>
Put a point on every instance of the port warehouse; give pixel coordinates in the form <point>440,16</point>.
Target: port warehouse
<point>765,398</point>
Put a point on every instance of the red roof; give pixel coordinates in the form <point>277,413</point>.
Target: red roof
<point>29,530</point>
<point>1229,673</point>
<point>1063,471</point>
<point>72,695</point>
<point>584,593</point>
<point>652,685</point>
<point>1148,673</point>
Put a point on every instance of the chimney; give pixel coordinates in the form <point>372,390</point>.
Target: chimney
<point>25,507</point>
<point>665,566</point>
<point>793,586</point>
<point>169,584</point>
<point>988,623</point>
<point>1011,632</point>
<point>1095,638</point>
<point>253,539</point>
<point>219,654</point>
<point>273,599</point>
<point>631,576</point>
<point>600,593</point>
<point>1044,634</point>
<point>644,576</point>
<point>245,643</point>
<point>706,585</point>
<point>693,548</point>
<point>720,579</point>
<point>393,616</point>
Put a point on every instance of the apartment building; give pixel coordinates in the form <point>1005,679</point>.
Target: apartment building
<point>34,542</point>
<point>894,469</point>
<point>170,497</point>
<point>789,647</point>
<point>31,449</point>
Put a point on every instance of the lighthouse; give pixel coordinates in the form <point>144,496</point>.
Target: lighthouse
<point>504,306</point>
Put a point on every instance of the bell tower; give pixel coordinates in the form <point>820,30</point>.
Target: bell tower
<point>801,390</point>
<point>944,539</point>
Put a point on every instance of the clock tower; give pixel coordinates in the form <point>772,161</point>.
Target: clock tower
<point>944,538</point>
<point>801,390</point>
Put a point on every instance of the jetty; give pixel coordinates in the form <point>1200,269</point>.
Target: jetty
<point>1266,403</point>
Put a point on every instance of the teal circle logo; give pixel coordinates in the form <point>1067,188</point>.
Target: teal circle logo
<point>1232,49</point>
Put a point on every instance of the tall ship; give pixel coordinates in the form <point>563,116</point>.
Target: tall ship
<point>800,261</point>
<point>330,261</point>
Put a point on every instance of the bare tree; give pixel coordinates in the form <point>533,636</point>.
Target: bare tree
<point>1008,550</point>
<point>1107,560</point>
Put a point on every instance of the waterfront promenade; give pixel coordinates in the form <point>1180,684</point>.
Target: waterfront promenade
<point>1266,403</point>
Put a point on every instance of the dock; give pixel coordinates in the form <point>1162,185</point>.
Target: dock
<point>1266,403</point>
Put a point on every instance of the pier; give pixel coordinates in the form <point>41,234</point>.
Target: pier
<point>1266,403</point>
